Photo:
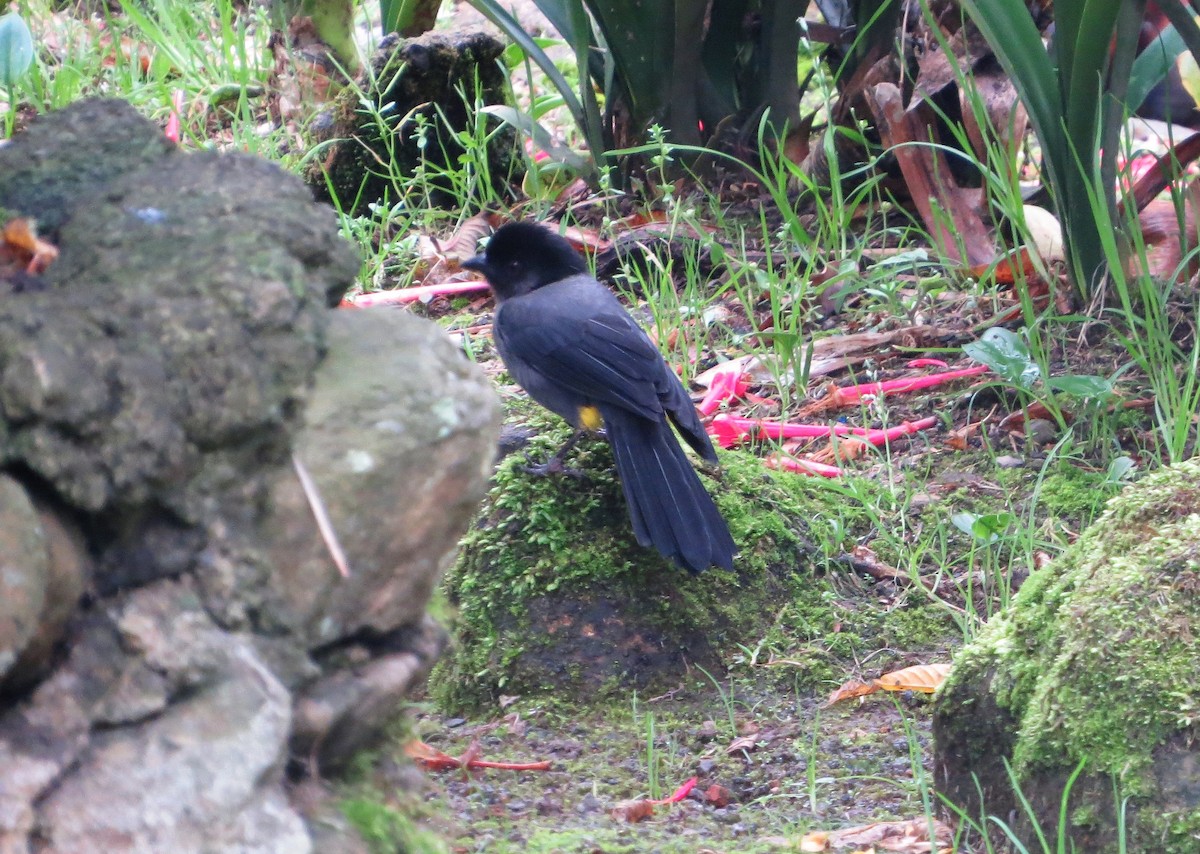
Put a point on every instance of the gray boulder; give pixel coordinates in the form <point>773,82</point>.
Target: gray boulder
<point>172,628</point>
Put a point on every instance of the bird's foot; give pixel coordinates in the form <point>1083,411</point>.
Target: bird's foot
<point>555,464</point>
<point>552,466</point>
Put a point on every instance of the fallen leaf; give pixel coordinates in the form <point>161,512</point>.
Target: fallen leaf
<point>20,245</point>
<point>921,677</point>
<point>632,811</point>
<point>907,837</point>
<point>742,742</point>
<point>850,690</point>
<point>863,559</point>
<point>717,796</point>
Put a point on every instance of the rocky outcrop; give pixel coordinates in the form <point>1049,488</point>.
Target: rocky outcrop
<point>1080,701</point>
<point>173,629</point>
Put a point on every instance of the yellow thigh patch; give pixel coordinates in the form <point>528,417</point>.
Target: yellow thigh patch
<point>590,418</point>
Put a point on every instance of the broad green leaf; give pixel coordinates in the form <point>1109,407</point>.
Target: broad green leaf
<point>1082,387</point>
<point>1189,75</point>
<point>409,18</point>
<point>498,15</point>
<point>987,528</point>
<point>1119,469</point>
<point>1007,355</point>
<point>16,48</point>
<point>1183,19</point>
<point>514,55</point>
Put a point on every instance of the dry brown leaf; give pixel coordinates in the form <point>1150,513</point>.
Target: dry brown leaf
<point>905,837</point>
<point>717,796</point>
<point>815,842</point>
<point>20,245</point>
<point>935,194</point>
<point>841,449</point>
<point>743,742</point>
<point>464,243</point>
<point>863,559</point>
<point>850,690</point>
<point>632,811</point>
<point>920,677</point>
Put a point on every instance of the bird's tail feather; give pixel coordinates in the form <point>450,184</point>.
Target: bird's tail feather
<point>668,505</point>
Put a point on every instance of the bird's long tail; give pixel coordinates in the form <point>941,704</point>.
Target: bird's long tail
<point>668,506</point>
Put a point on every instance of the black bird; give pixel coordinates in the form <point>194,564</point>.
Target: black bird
<point>572,346</point>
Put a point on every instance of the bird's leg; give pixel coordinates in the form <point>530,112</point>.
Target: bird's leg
<point>554,465</point>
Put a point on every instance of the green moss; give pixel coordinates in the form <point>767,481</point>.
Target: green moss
<point>554,594</point>
<point>1074,494</point>
<point>1095,660</point>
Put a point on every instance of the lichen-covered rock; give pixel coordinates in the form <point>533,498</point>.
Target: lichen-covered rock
<point>154,391</point>
<point>81,149</point>
<point>425,93</point>
<point>24,572</point>
<point>1094,666</point>
<point>191,758</point>
<point>398,417</point>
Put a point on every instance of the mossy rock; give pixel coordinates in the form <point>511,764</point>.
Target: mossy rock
<point>555,596</point>
<point>1094,666</point>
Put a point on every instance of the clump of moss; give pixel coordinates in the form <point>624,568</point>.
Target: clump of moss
<point>1074,494</point>
<point>555,596</point>
<point>1094,664</point>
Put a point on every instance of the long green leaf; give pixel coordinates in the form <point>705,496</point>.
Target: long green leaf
<point>1063,94</point>
<point>498,15</point>
<point>1152,65</point>
<point>1113,111</point>
<point>540,136</point>
<point>1181,18</point>
<point>582,42</point>
<point>640,34</point>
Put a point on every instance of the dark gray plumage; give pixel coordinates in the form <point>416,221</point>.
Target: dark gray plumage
<point>572,346</point>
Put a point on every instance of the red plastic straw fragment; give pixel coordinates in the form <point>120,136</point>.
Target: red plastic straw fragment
<point>172,129</point>
<point>725,385</point>
<point>731,430</point>
<point>679,794</point>
<point>855,392</point>
<point>880,437</point>
<point>926,363</point>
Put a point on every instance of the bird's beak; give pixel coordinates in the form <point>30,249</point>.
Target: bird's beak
<point>476,264</point>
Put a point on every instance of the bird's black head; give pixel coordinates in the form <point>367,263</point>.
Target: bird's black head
<point>522,257</point>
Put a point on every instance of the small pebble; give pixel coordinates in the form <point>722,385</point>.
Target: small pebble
<point>705,766</point>
<point>455,722</point>
<point>1042,432</point>
<point>1010,462</point>
<point>589,803</point>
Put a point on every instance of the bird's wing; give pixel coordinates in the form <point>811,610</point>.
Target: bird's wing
<point>571,338</point>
